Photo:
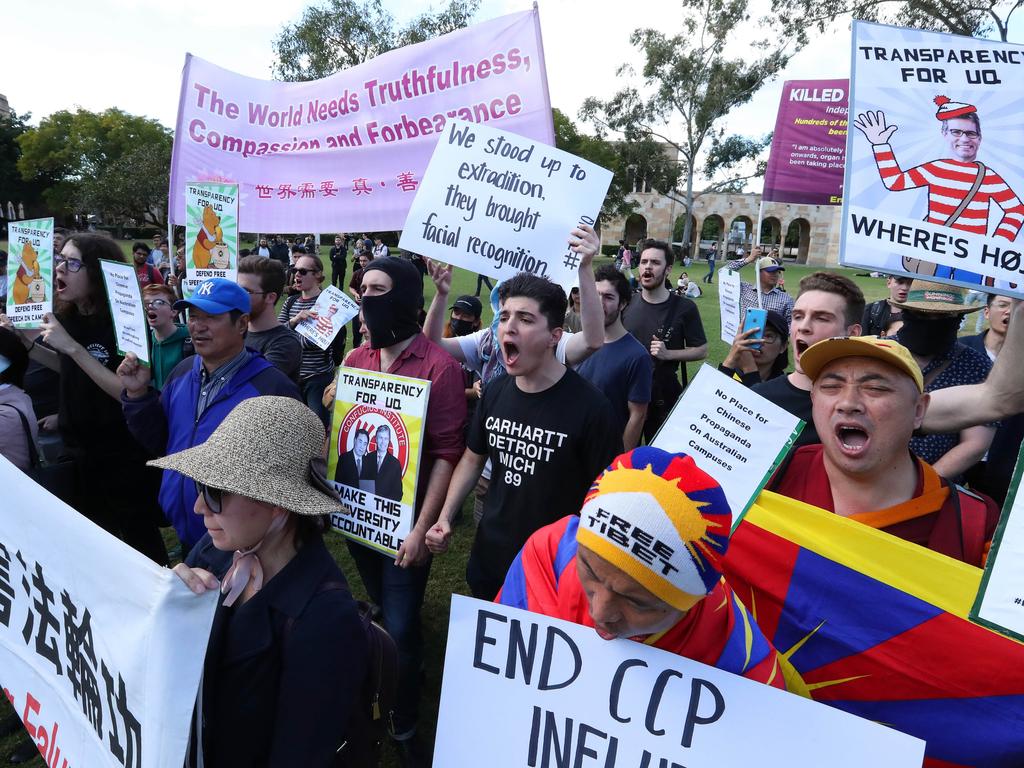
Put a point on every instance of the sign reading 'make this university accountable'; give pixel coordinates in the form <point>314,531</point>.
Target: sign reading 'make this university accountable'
<point>100,649</point>
<point>549,693</point>
<point>934,181</point>
<point>29,271</point>
<point>374,456</point>
<point>348,152</point>
<point>732,433</point>
<point>499,204</point>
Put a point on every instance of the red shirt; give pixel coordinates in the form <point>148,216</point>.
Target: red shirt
<point>444,428</point>
<point>148,274</point>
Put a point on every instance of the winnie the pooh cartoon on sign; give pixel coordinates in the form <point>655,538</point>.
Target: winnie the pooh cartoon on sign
<point>210,235</point>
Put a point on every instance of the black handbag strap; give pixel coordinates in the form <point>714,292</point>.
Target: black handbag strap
<point>33,454</point>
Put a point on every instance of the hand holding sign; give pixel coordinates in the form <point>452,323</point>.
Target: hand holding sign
<point>134,376</point>
<point>55,336</point>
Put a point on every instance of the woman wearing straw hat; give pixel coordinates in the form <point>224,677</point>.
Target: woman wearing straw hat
<point>287,652</point>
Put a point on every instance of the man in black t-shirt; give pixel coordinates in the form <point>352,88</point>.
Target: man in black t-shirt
<point>263,279</point>
<point>547,431</point>
<point>669,326</point>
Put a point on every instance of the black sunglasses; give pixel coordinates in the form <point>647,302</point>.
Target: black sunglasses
<point>304,272</point>
<point>212,496</point>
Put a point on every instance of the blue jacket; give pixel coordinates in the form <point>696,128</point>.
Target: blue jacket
<point>166,424</point>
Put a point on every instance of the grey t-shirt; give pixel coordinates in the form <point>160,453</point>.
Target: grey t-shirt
<point>281,346</point>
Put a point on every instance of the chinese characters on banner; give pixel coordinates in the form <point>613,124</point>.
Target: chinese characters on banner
<point>333,309</point>
<point>933,179</point>
<point>561,695</point>
<point>374,457</point>
<point>125,299</point>
<point>499,204</point>
<point>29,271</point>
<point>211,232</point>
<point>101,649</point>
<point>348,152</point>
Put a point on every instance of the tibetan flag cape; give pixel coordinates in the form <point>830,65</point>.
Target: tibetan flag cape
<point>878,627</point>
<point>718,631</point>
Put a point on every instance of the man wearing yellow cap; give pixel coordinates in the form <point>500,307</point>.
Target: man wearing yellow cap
<point>867,399</point>
<point>643,561</point>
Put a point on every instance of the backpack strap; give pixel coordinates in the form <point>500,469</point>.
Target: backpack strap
<point>33,453</point>
<point>969,197</point>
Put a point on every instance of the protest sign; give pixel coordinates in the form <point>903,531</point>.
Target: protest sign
<point>809,143</point>
<point>933,182</point>
<point>125,298</point>
<point>101,649</point>
<point>347,152</point>
<point>1000,601</point>
<point>732,433</point>
<point>333,309</point>
<point>500,204</point>
<point>211,232</point>
<point>729,303</point>
<point>29,271</point>
<point>374,458</point>
<point>550,693</point>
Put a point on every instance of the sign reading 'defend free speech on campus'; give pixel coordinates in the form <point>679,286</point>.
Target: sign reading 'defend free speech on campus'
<point>809,143</point>
<point>29,271</point>
<point>549,693</point>
<point>732,433</point>
<point>499,204</point>
<point>125,299</point>
<point>100,676</point>
<point>934,181</point>
<point>347,152</point>
<point>211,232</point>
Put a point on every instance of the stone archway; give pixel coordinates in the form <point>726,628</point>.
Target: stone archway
<point>741,232</point>
<point>771,232</point>
<point>634,229</point>
<point>798,239</point>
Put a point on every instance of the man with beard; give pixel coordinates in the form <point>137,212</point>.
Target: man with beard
<point>622,368</point>
<point>263,279</point>
<point>868,398</point>
<point>146,272</point>
<point>667,325</point>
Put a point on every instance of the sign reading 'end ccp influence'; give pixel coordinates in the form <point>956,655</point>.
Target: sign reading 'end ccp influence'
<point>498,204</point>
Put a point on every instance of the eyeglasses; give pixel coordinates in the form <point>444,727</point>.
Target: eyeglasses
<point>304,272</point>
<point>212,496</point>
<point>770,338</point>
<point>72,265</point>
<point>156,303</point>
<point>957,133</point>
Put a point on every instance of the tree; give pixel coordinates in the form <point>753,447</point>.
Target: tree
<point>74,153</point>
<point>12,186</point>
<point>974,18</point>
<point>343,33</point>
<point>132,187</point>
<point>690,78</point>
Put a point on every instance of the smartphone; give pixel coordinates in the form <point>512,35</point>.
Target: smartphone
<point>755,318</point>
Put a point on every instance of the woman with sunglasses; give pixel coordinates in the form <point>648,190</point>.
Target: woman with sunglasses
<point>112,486</point>
<point>287,653</point>
<point>316,369</point>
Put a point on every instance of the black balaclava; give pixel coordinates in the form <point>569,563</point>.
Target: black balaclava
<point>928,333</point>
<point>394,316</point>
<point>462,327</point>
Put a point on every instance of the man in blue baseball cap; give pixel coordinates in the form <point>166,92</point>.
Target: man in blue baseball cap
<point>199,392</point>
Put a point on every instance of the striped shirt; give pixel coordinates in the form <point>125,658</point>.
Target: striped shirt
<point>775,299</point>
<point>949,182</point>
<point>314,360</point>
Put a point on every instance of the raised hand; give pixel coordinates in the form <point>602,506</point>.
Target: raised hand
<point>872,125</point>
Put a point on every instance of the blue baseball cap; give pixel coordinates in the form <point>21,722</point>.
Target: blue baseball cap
<point>217,296</point>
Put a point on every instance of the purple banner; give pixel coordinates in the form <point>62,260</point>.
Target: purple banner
<point>809,145</point>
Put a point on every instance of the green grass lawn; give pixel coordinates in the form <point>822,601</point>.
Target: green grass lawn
<point>448,572</point>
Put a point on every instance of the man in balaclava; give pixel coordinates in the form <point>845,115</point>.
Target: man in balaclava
<point>392,299</point>
<point>931,318</point>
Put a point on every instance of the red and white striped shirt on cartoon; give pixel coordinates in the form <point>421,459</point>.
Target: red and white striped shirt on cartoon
<point>949,182</point>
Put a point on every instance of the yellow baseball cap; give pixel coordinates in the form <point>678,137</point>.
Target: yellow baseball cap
<point>888,351</point>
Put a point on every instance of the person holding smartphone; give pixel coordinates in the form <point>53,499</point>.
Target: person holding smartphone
<point>759,353</point>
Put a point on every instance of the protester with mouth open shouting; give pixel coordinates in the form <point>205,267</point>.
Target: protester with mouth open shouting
<point>547,431</point>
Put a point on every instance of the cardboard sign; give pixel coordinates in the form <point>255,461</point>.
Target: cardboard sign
<point>1000,601</point>
<point>729,303</point>
<point>548,693</point>
<point>499,204</point>
<point>333,309</point>
<point>933,178</point>
<point>125,299</point>
<point>809,144</point>
<point>29,271</point>
<point>374,458</point>
<point>732,433</point>
<point>347,153</point>
<point>211,231</point>
<point>101,651</point>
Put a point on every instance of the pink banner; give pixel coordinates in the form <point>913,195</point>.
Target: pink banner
<point>348,152</point>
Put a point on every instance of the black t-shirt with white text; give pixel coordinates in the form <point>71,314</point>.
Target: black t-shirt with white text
<point>676,321</point>
<point>793,399</point>
<point>546,448</point>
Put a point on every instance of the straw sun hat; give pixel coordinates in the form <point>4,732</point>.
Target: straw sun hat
<point>936,298</point>
<point>249,455</point>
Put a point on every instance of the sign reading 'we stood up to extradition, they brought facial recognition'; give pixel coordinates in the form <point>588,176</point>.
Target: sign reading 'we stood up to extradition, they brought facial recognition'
<point>498,204</point>
<point>547,693</point>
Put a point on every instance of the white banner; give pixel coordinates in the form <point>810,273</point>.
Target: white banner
<point>100,649</point>
<point>125,298</point>
<point>729,303</point>
<point>934,180</point>
<point>333,309</point>
<point>547,693</point>
<point>732,433</point>
<point>29,271</point>
<point>498,204</point>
